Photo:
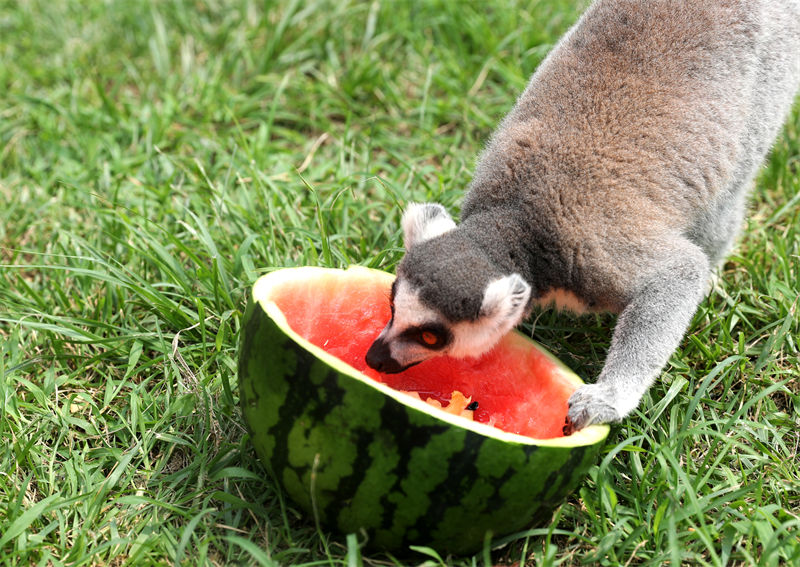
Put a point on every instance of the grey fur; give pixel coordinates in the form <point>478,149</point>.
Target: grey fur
<point>621,175</point>
<point>444,270</point>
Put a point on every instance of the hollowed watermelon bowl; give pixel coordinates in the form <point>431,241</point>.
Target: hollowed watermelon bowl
<point>350,447</point>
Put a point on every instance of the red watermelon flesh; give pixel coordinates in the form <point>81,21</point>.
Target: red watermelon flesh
<point>522,389</point>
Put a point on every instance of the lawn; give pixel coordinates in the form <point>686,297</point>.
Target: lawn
<point>157,157</point>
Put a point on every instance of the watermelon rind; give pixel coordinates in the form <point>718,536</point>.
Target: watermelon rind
<point>364,458</point>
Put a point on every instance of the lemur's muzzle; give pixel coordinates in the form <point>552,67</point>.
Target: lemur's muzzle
<point>379,357</point>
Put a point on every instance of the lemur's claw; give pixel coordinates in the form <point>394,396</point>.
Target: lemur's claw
<point>590,404</point>
<point>568,428</point>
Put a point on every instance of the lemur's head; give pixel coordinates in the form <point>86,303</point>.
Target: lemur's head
<point>448,297</point>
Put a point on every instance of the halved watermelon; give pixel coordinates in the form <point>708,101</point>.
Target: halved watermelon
<point>349,446</point>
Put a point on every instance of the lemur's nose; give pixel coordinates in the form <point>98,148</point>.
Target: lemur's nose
<point>379,357</point>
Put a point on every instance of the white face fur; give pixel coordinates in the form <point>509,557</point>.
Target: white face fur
<point>418,332</point>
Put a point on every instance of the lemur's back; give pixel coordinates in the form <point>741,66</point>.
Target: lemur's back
<point>664,108</point>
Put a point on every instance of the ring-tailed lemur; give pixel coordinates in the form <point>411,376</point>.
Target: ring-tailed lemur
<point>617,182</point>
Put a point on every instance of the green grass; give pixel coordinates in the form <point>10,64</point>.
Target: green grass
<point>156,157</point>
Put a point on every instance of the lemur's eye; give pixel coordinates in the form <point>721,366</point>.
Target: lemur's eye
<point>429,338</point>
<point>433,336</point>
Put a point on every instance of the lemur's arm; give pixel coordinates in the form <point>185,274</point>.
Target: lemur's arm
<point>648,330</point>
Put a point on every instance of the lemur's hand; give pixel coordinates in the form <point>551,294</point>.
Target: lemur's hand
<point>590,404</point>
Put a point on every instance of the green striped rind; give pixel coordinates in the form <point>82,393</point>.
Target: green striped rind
<point>361,458</point>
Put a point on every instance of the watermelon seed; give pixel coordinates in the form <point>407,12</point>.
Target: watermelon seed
<point>473,406</point>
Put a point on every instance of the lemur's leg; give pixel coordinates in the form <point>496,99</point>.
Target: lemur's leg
<point>715,231</point>
<point>648,330</point>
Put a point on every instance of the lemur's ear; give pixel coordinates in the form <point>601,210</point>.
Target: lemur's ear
<point>505,301</point>
<point>423,221</point>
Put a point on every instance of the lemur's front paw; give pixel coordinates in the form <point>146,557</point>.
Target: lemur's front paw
<point>590,404</point>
